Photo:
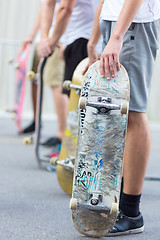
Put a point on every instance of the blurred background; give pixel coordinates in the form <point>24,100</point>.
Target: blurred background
<point>16,19</point>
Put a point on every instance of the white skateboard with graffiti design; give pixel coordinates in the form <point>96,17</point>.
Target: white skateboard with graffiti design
<point>100,152</point>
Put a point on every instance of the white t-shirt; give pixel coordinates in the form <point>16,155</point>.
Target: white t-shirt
<point>149,11</point>
<point>81,22</point>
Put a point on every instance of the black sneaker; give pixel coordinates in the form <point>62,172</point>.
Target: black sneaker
<point>51,142</point>
<point>29,129</point>
<point>127,225</point>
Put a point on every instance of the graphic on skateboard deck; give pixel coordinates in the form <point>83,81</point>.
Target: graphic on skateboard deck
<point>20,82</point>
<point>65,163</point>
<point>100,151</point>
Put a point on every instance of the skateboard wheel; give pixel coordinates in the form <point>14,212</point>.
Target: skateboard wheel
<point>53,161</point>
<point>27,140</point>
<point>66,85</point>
<point>73,204</point>
<point>124,108</point>
<point>82,103</point>
<point>30,75</point>
<point>17,66</point>
<point>114,208</point>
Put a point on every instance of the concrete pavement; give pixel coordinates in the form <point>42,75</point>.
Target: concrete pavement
<point>33,206</point>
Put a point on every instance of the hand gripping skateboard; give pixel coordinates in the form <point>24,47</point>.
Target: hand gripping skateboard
<point>20,82</point>
<point>100,152</point>
<point>65,163</point>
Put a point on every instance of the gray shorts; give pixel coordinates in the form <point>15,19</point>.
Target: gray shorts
<point>138,55</point>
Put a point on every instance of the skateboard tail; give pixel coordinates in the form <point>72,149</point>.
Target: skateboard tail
<point>96,225</point>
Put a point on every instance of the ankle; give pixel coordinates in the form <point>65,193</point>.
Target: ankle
<point>129,204</point>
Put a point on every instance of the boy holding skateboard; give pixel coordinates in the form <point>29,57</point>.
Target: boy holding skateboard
<point>130,37</point>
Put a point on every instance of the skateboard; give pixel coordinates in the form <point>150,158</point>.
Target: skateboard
<point>65,163</point>
<point>20,82</point>
<point>39,111</point>
<point>103,120</point>
<point>42,162</point>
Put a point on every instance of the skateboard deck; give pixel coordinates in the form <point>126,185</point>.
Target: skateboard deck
<point>65,163</point>
<point>20,82</point>
<point>39,112</point>
<point>100,151</point>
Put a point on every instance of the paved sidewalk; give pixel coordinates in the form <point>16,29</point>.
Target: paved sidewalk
<point>33,206</point>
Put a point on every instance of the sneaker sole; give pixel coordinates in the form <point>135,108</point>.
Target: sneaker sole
<point>132,231</point>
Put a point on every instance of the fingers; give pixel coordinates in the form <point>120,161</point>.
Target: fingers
<point>44,49</point>
<point>111,67</point>
<point>106,68</point>
<point>116,61</point>
<point>101,67</point>
<point>108,65</point>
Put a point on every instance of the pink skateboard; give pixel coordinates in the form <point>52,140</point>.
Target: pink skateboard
<point>20,82</point>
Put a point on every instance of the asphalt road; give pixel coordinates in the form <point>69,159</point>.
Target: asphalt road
<point>33,206</point>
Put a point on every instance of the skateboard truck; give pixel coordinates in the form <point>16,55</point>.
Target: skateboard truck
<point>68,162</point>
<point>93,204</point>
<point>67,85</point>
<point>104,105</point>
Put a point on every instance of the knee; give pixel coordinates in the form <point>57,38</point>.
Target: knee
<point>136,119</point>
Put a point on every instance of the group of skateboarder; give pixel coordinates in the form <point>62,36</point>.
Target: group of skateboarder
<point>130,36</point>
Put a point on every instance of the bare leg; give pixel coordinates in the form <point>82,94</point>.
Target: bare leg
<point>136,153</point>
<point>61,105</point>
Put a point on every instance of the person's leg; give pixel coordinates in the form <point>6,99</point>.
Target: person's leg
<point>53,77</point>
<point>61,104</point>
<point>62,100</point>
<point>138,133</point>
<point>31,127</point>
<point>139,63</point>
<point>137,151</point>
